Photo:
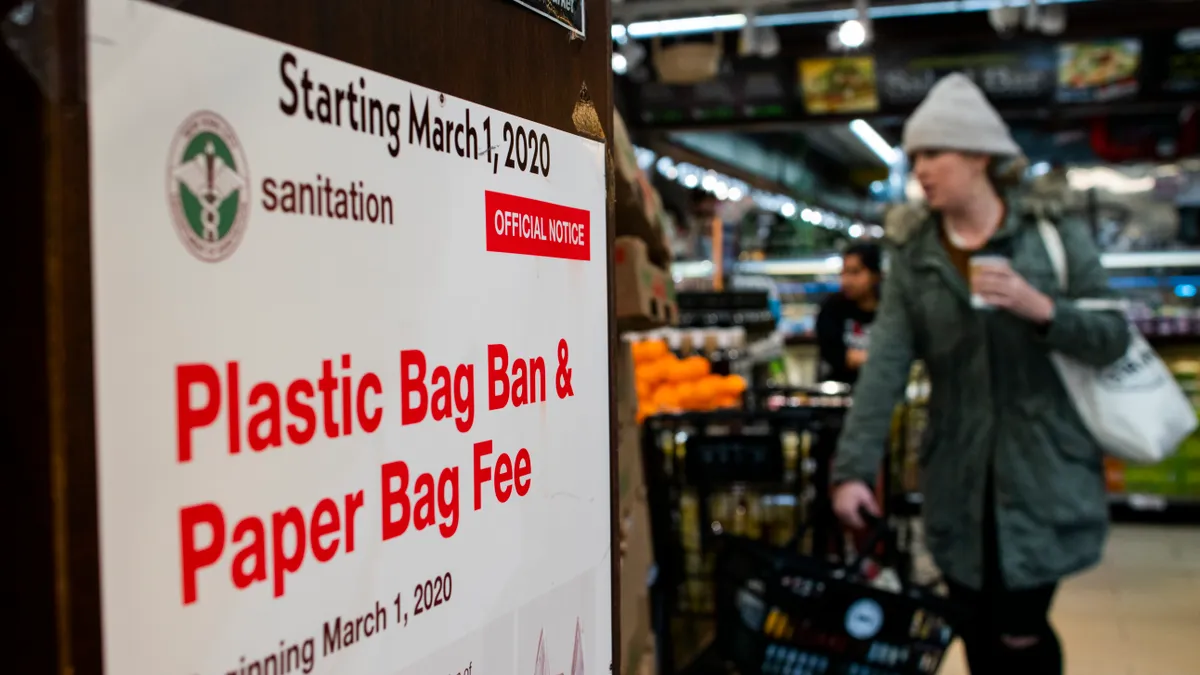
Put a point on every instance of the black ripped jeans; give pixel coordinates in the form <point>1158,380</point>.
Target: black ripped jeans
<point>995,613</point>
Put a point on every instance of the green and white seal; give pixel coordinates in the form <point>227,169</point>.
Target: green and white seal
<point>208,186</point>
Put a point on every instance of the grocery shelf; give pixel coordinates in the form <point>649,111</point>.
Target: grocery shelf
<point>832,264</point>
<point>1151,508</point>
<point>800,340</point>
<point>1151,502</point>
<point>1160,341</point>
<point>1157,341</point>
<point>1150,259</point>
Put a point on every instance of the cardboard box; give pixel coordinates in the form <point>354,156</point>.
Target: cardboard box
<point>636,635</point>
<point>627,400</point>
<point>637,559</point>
<point>639,655</point>
<point>645,293</point>
<point>649,665</point>
<point>631,479</point>
<point>637,554</point>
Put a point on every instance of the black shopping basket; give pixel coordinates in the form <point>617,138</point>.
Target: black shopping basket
<point>779,613</point>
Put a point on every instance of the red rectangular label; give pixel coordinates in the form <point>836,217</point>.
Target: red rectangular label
<point>531,227</point>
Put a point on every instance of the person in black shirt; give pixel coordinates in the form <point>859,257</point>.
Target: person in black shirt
<point>844,323</point>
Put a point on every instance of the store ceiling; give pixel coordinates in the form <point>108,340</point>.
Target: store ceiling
<point>1048,135</point>
<point>819,16</point>
<point>635,10</point>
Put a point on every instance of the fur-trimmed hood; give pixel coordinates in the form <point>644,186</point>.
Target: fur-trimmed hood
<point>1043,197</point>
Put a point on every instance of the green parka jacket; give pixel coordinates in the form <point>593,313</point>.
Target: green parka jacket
<point>995,399</point>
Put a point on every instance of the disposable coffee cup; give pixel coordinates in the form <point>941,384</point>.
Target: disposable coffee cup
<point>981,262</point>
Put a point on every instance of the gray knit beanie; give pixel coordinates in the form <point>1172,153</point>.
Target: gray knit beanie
<point>956,115</point>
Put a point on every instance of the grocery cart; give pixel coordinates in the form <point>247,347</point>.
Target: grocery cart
<point>779,613</point>
<point>758,473</point>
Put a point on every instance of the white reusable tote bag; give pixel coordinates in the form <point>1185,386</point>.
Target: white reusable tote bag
<point>1134,407</point>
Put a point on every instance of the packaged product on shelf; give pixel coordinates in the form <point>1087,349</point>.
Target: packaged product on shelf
<point>645,293</point>
<point>624,152</point>
<point>1186,372</point>
<point>779,519</point>
<point>1114,475</point>
<point>791,455</point>
<point>689,521</point>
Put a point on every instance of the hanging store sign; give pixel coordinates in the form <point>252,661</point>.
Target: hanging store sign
<point>1099,71</point>
<point>568,13</point>
<point>1182,62</point>
<point>351,366</point>
<point>751,90</point>
<point>1009,76</point>
<point>839,85</point>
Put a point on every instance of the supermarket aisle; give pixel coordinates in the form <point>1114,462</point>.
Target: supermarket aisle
<point>1136,614</point>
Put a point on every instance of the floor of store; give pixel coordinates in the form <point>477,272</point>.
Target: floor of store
<point>1136,614</point>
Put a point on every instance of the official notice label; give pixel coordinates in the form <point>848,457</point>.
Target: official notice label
<point>351,366</point>
<point>531,227</point>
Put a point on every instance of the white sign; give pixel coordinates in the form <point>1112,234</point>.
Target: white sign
<point>351,367</point>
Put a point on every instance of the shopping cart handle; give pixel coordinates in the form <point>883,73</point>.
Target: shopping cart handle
<point>878,529</point>
<point>868,519</point>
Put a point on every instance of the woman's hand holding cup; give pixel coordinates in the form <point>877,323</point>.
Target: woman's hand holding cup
<point>994,283</point>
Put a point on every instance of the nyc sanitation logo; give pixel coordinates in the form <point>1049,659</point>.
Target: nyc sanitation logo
<point>208,187</point>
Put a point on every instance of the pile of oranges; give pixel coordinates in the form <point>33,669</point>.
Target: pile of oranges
<point>667,383</point>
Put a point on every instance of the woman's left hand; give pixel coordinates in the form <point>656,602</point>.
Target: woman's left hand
<point>1002,287</point>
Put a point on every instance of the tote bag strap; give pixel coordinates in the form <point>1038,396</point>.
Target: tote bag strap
<point>1058,259</point>
<point>1058,253</point>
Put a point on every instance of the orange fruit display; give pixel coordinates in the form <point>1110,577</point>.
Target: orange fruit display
<point>667,384</point>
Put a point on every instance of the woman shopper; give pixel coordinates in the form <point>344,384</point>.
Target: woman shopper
<point>844,323</point>
<point>1013,484</point>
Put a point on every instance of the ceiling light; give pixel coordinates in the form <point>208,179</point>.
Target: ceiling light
<point>619,63</point>
<point>735,194</point>
<point>690,180</point>
<point>645,157</point>
<point>871,138</point>
<point>852,34</point>
<point>709,183</point>
<point>856,230</point>
<point>787,210</point>
<point>618,32</point>
<point>693,24</point>
<point>897,11</point>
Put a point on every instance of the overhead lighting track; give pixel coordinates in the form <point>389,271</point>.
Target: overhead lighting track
<point>726,22</point>
<point>871,138</point>
<point>685,26</point>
